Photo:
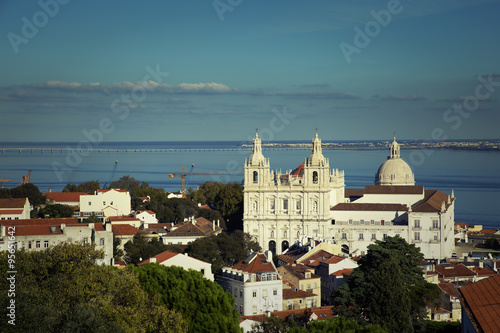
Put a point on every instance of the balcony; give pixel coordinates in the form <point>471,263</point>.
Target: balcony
<point>417,228</point>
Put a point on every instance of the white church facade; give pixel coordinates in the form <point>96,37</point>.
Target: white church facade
<point>311,201</point>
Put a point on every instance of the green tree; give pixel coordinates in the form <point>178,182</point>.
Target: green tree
<point>29,191</point>
<point>387,287</point>
<point>56,211</point>
<point>129,183</point>
<point>117,252</point>
<point>89,187</point>
<point>203,303</point>
<point>92,219</point>
<point>139,249</point>
<point>61,289</point>
<point>301,324</point>
<point>223,250</point>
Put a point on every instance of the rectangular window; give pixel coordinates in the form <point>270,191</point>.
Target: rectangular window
<point>37,244</point>
<point>372,221</point>
<point>360,236</point>
<point>29,245</point>
<point>275,291</point>
<point>385,236</point>
<point>350,221</point>
<point>85,240</point>
<point>374,236</point>
<point>101,241</point>
<point>90,203</point>
<point>285,204</point>
<point>435,237</point>
<point>298,205</point>
<point>333,222</point>
<point>344,236</point>
<point>254,293</point>
<point>362,253</point>
<point>417,236</point>
<point>254,309</point>
<point>271,204</point>
<point>361,221</point>
<point>417,223</point>
<point>435,224</point>
<point>104,203</point>
<point>46,244</point>
<point>241,293</point>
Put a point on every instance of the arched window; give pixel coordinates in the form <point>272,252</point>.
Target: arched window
<point>284,246</point>
<point>315,177</point>
<point>272,246</point>
<point>255,176</point>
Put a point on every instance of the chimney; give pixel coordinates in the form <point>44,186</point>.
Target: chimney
<point>108,227</point>
<point>152,260</point>
<point>63,226</point>
<point>50,190</point>
<point>213,225</point>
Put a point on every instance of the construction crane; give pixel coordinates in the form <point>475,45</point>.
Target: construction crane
<point>183,175</point>
<point>26,179</point>
<point>3,180</point>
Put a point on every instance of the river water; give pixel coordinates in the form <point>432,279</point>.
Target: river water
<point>474,176</point>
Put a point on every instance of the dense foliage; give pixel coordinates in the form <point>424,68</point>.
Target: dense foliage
<point>223,250</point>
<point>301,324</point>
<point>29,191</point>
<point>88,187</point>
<point>55,211</point>
<point>203,303</point>
<point>61,289</point>
<point>139,249</point>
<point>227,198</point>
<point>388,287</point>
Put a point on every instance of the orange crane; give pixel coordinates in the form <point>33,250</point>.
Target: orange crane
<point>3,180</point>
<point>183,175</point>
<point>26,179</point>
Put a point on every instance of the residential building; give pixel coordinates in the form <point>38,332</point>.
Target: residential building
<point>293,298</point>
<point>64,198</point>
<point>481,306</point>
<point>39,234</point>
<point>311,201</point>
<point>14,209</point>
<point>304,278</point>
<point>255,284</point>
<point>168,258</point>
<point>109,202</point>
<point>125,233</point>
<point>127,219</point>
<point>449,300</point>
<point>190,230</point>
<point>146,217</point>
<point>460,272</point>
<point>332,272</point>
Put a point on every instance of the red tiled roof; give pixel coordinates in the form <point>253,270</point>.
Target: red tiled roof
<point>123,218</point>
<point>353,206</point>
<point>286,258</point>
<point>298,171</point>
<point>346,271</point>
<point>481,301</point>
<point>25,222</point>
<point>109,189</point>
<point>488,232</point>
<point>258,264</point>
<point>448,288</point>
<point>432,202</point>
<point>481,271</point>
<point>451,271</point>
<point>334,260</point>
<point>314,259</point>
<point>323,313</point>
<point>353,192</point>
<point>11,211</point>
<point>299,271</point>
<point>64,196</point>
<point>290,294</point>
<point>202,227</point>
<point>206,207</point>
<point>159,227</point>
<point>388,189</point>
<point>32,230</point>
<point>125,230</point>
<point>161,257</point>
<point>12,203</point>
<point>462,225</point>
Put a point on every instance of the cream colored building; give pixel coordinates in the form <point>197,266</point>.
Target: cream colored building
<point>109,202</point>
<point>311,201</point>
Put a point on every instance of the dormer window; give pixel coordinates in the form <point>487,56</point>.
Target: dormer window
<point>255,176</point>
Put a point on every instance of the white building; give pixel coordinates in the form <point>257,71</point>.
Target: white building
<point>39,234</point>
<point>110,202</point>
<point>64,198</point>
<point>14,209</point>
<point>255,284</point>
<point>146,217</point>
<point>311,201</point>
<point>190,230</point>
<point>168,258</point>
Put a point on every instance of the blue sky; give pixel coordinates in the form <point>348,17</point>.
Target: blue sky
<point>429,70</point>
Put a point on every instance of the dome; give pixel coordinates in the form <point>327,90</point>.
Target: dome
<point>394,171</point>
